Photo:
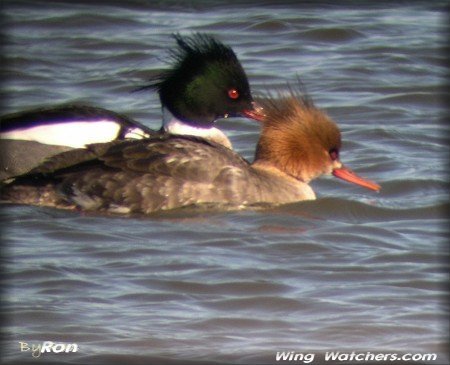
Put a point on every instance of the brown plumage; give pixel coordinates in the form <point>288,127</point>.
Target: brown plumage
<point>297,137</point>
<point>298,143</point>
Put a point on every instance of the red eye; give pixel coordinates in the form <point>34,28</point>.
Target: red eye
<point>334,154</point>
<point>233,94</point>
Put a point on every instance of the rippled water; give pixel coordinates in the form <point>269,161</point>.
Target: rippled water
<point>354,270</point>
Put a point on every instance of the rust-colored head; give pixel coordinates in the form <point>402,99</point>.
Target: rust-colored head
<point>301,140</point>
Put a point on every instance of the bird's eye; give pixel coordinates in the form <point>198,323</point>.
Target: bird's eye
<point>233,93</point>
<point>334,154</point>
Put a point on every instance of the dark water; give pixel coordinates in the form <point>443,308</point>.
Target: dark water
<point>352,271</point>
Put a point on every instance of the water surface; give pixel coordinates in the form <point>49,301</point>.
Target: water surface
<point>352,271</point>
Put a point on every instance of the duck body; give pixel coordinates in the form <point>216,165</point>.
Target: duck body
<point>205,82</point>
<point>71,125</point>
<point>28,138</point>
<point>160,173</point>
<point>298,143</point>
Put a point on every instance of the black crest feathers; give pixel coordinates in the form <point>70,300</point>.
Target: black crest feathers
<point>192,53</point>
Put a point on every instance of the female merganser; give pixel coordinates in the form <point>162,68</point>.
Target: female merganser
<point>298,143</point>
<point>205,82</point>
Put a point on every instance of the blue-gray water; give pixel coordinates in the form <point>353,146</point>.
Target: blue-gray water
<point>354,270</point>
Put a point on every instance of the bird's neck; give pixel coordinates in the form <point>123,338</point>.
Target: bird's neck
<point>173,125</point>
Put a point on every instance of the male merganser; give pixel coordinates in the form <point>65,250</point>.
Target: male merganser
<point>205,82</point>
<point>298,143</point>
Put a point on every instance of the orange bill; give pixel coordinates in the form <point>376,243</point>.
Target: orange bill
<point>348,175</point>
<point>257,113</point>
